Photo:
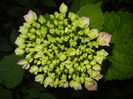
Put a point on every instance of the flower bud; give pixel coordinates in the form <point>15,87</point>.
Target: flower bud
<point>19,51</point>
<point>27,25</point>
<point>63,84</point>
<point>62,56</point>
<point>41,19</point>
<point>90,84</point>
<point>24,63</point>
<point>34,69</point>
<point>72,16</point>
<point>93,33</point>
<point>30,17</point>
<point>19,41</point>
<point>23,30</point>
<point>83,22</point>
<point>71,51</point>
<point>96,67</point>
<point>75,85</point>
<point>39,78</point>
<point>104,39</point>
<point>48,81</point>
<point>63,8</point>
<point>68,64</point>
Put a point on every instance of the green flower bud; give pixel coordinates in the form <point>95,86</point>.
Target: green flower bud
<point>75,85</point>
<point>71,70</point>
<point>83,22</point>
<point>71,51</point>
<point>19,41</point>
<point>27,25</point>
<point>62,56</point>
<point>63,8</point>
<point>56,82</point>
<point>41,19</point>
<point>19,51</point>
<point>72,16</point>
<point>39,78</point>
<point>48,81</point>
<point>45,69</point>
<point>33,30</point>
<point>93,33</point>
<point>56,14</point>
<point>72,43</point>
<point>34,69</point>
<point>63,84</point>
<point>68,64</point>
<point>23,30</point>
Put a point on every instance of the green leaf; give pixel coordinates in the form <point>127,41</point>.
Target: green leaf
<point>77,4</point>
<point>120,25</point>
<point>11,74</point>
<point>94,12</point>
<point>5,94</point>
<point>49,3</point>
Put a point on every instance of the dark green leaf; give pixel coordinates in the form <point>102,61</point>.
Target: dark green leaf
<point>5,94</point>
<point>120,25</point>
<point>11,74</point>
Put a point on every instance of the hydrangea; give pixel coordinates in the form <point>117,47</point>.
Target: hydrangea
<point>61,49</point>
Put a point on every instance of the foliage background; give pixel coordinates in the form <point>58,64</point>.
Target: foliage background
<point>112,16</point>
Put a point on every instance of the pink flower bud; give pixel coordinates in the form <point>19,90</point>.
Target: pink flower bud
<point>104,39</point>
<point>90,84</point>
<point>84,22</point>
<point>93,88</point>
<point>30,17</point>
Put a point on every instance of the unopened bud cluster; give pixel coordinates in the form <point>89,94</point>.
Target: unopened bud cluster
<point>61,50</point>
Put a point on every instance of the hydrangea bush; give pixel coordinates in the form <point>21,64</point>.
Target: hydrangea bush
<point>61,49</point>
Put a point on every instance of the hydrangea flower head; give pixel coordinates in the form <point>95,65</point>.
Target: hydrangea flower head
<point>61,50</point>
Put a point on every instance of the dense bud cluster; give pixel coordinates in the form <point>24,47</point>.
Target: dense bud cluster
<point>61,50</point>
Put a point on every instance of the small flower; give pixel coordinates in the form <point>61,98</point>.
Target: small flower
<point>23,30</point>
<point>84,22</point>
<point>75,85</point>
<point>63,8</point>
<point>39,78</point>
<point>63,84</point>
<point>68,64</point>
<point>19,51</point>
<point>90,84</point>
<point>104,39</point>
<point>24,63</point>
<point>34,69</point>
<point>48,81</point>
<point>97,67</point>
<point>30,17</point>
<point>62,56</point>
<point>72,16</point>
<point>19,41</point>
<point>93,33</point>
